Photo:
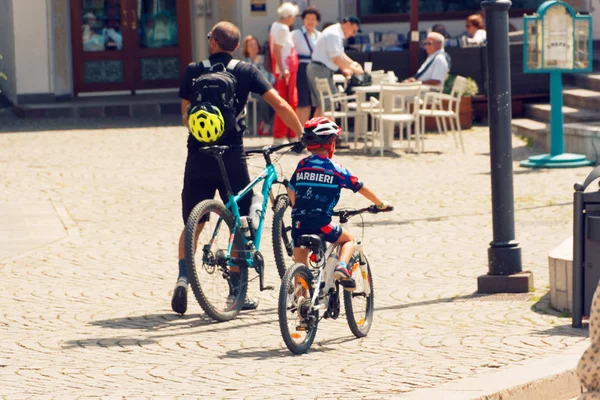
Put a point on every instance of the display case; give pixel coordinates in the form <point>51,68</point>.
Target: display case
<point>556,39</point>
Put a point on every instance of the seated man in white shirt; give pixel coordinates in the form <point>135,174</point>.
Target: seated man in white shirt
<point>434,70</point>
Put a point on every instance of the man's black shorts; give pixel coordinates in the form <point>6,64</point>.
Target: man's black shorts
<point>202,179</point>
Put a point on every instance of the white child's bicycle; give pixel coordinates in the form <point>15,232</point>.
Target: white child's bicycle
<point>310,293</point>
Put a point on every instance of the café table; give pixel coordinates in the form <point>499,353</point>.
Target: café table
<point>363,105</point>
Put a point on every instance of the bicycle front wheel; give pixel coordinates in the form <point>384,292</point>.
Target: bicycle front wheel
<point>297,321</point>
<point>359,303</point>
<point>282,234</point>
<point>218,285</point>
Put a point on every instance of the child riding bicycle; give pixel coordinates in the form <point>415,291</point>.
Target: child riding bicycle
<point>314,190</point>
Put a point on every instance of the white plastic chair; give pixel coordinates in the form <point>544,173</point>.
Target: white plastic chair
<point>254,102</point>
<point>398,104</point>
<point>327,97</point>
<point>434,107</point>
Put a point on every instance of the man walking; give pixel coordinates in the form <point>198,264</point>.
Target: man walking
<point>329,56</point>
<point>201,180</point>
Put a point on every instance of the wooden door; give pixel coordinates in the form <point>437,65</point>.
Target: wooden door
<point>129,44</point>
<point>101,45</point>
<point>162,45</point>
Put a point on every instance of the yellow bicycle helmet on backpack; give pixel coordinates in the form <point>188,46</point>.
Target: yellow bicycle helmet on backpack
<point>206,123</point>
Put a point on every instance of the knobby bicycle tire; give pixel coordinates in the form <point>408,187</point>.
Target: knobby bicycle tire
<point>201,209</point>
<point>282,235</point>
<point>360,328</point>
<point>302,271</point>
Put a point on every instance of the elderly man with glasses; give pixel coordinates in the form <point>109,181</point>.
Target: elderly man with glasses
<point>434,70</point>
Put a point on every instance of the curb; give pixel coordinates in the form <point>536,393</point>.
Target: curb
<point>549,378</point>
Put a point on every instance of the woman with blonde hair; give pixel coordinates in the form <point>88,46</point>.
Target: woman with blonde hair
<point>284,60</point>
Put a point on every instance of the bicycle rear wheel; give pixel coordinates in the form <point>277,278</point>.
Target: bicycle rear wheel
<point>297,322</point>
<point>219,287</point>
<point>282,234</point>
<point>359,305</point>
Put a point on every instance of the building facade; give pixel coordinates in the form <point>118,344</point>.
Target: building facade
<point>57,49</point>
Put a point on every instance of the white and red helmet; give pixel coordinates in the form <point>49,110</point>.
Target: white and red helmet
<point>319,132</point>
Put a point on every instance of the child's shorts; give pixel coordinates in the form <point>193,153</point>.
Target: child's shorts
<point>331,232</point>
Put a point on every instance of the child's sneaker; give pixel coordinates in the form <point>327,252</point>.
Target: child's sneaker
<point>344,275</point>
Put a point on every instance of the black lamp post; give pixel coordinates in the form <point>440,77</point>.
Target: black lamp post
<point>504,254</point>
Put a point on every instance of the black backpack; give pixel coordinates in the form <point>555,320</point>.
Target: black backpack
<point>217,85</point>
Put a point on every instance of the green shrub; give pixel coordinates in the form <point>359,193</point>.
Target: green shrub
<point>2,76</point>
<point>471,89</point>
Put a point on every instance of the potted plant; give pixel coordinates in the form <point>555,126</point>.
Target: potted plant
<point>2,76</point>
<point>466,108</point>
<point>3,101</point>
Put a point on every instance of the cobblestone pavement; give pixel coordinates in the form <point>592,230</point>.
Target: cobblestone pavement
<point>87,312</point>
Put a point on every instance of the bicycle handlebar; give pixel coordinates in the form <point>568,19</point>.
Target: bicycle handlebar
<point>297,146</point>
<point>347,214</point>
<point>266,150</point>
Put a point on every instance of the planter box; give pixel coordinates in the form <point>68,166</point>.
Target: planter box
<point>466,115</point>
<point>560,262</point>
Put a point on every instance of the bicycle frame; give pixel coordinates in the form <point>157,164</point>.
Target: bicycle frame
<point>269,176</point>
<point>331,249</point>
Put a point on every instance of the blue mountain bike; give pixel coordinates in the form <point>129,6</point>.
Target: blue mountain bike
<point>218,269</point>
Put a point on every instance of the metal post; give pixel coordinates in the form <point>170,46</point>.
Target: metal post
<point>414,45</point>
<point>578,237</point>
<point>504,253</point>
<point>557,139</point>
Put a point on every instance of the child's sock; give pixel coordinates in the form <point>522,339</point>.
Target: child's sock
<point>341,264</point>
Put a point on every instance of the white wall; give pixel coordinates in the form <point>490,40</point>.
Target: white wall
<point>32,46</point>
<point>595,20</point>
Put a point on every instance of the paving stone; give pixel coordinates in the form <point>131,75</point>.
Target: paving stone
<point>87,313</point>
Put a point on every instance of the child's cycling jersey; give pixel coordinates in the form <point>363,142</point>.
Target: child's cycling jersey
<point>317,183</point>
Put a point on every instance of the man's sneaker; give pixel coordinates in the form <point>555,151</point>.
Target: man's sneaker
<point>344,276</point>
<point>179,300</point>
<point>250,303</point>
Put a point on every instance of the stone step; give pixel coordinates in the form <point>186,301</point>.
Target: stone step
<point>140,105</point>
<point>541,113</point>
<point>579,137</point>
<point>581,98</point>
<point>589,81</point>
<point>533,130</point>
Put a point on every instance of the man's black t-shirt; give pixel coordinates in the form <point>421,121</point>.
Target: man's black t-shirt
<point>249,79</point>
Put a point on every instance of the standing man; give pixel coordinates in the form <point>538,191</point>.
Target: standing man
<point>284,61</point>
<point>305,39</point>
<point>434,70</point>
<point>200,181</point>
<point>329,56</point>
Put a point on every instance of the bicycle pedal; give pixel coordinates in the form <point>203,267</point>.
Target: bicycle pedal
<point>301,328</point>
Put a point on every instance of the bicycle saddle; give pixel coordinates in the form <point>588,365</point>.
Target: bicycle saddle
<point>214,149</point>
<point>312,242</point>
